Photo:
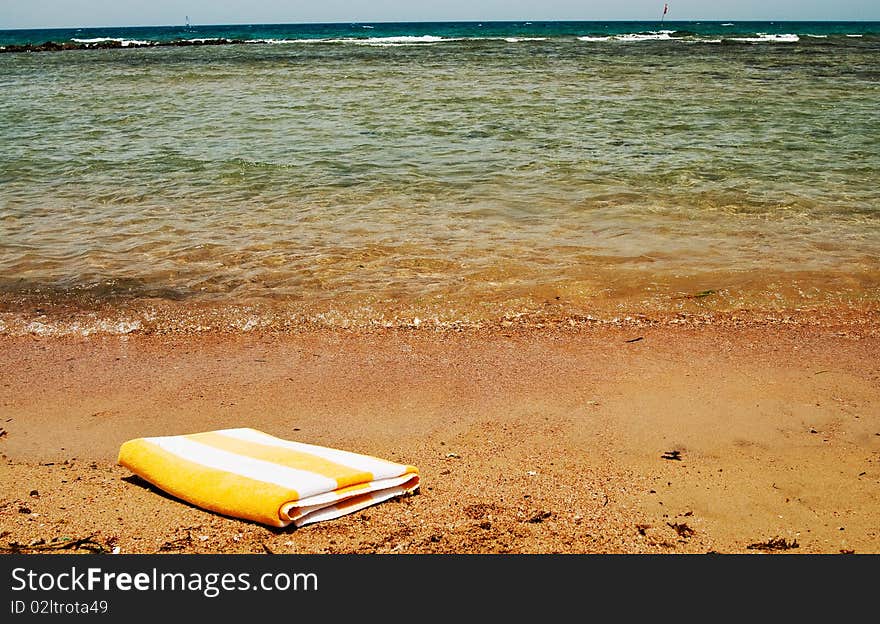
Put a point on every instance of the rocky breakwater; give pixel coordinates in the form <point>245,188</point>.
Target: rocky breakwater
<point>111,44</point>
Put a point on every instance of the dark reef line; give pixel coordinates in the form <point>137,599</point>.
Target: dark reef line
<point>54,46</point>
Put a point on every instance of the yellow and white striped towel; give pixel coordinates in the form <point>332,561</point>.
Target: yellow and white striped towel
<point>248,474</point>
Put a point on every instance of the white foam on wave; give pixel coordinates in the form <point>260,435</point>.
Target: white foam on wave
<point>283,41</point>
<point>727,24</point>
<point>818,36</point>
<point>518,39</point>
<point>855,36</point>
<point>658,35</point>
<point>405,40</point>
<point>125,42</point>
<point>76,328</point>
<point>764,38</point>
<point>654,35</point>
<point>368,41</point>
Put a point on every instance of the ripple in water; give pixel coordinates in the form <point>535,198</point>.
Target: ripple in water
<point>285,184</point>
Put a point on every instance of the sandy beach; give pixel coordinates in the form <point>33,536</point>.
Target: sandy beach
<point>758,436</point>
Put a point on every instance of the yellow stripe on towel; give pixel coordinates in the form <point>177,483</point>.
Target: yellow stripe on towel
<point>204,487</point>
<point>248,474</point>
<point>343,475</point>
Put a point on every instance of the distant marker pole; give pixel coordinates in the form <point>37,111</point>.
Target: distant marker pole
<point>665,9</point>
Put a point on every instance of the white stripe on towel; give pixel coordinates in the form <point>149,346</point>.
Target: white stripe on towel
<point>305,483</point>
<point>379,468</point>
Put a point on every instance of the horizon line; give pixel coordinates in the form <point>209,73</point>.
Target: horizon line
<point>524,22</point>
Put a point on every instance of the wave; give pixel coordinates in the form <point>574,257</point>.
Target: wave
<point>689,37</point>
<point>664,36</point>
<point>286,41</point>
<point>376,41</point>
<point>402,40</point>
<point>765,38</point>
<point>125,42</point>
<point>653,35</point>
<point>657,35</point>
<point>369,41</point>
<point>641,37</point>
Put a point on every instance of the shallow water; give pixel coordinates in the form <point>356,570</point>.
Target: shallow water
<point>449,176</point>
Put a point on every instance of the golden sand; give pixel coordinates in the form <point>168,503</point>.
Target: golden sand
<point>672,439</point>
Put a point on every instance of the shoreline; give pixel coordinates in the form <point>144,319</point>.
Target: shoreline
<point>164,318</point>
<point>529,440</point>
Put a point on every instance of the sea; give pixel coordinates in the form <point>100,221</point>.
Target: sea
<point>436,174</point>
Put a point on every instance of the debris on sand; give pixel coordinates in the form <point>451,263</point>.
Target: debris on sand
<point>540,517</point>
<point>682,529</point>
<point>178,544</point>
<point>700,295</point>
<point>89,544</point>
<point>777,543</point>
<point>672,455</point>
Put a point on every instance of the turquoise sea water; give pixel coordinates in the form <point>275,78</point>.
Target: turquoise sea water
<point>366,173</point>
<point>375,33</point>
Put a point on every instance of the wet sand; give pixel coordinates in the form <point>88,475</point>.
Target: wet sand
<point>529,440</point>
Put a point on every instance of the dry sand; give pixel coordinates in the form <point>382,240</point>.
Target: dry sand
<point>528,440</point>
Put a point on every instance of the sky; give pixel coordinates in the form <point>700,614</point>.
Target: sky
<point>81,13</point>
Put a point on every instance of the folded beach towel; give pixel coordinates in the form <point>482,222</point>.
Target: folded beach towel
<point>248,474</point>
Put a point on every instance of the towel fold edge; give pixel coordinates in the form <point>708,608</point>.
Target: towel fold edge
<point>169,472</point>
<point>351,504</point>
